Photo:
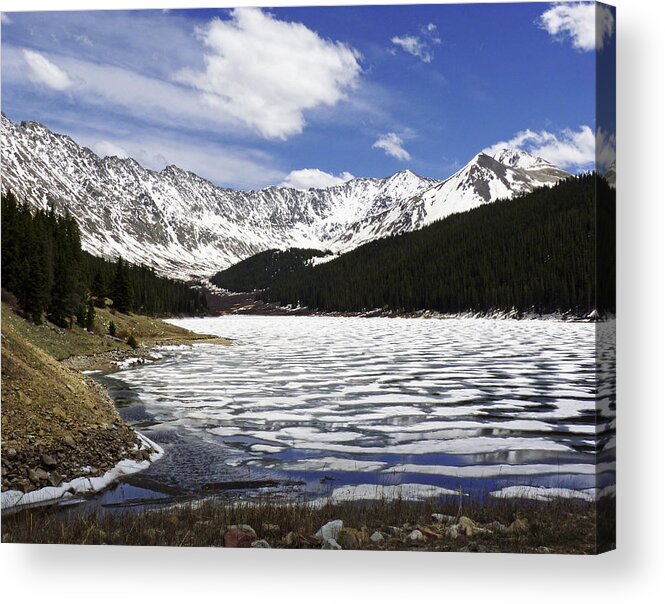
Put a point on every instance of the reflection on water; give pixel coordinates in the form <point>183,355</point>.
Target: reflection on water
<point>473,404</point>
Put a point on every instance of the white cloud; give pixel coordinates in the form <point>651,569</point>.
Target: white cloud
<point>259,74</point>
<point>152,100</point>
<point>567,149</point>
<point>4,19</point>
<point>606,149</point>
<point>393,145</point>
<point>266,73</point>
<point>586,24</point>
<point>419,46</point>
<point>414,46</point>
<point>43,71</point>
<point>106,148</point>
<point>313,178</point>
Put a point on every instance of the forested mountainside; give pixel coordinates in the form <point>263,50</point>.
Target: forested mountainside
<point>533,253</point>
<point>44,267</point>
<point>260,270</point>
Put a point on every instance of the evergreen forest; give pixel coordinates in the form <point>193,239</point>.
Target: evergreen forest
<point>45,268</point>
<point>262,269</point>
<point>551,250</point>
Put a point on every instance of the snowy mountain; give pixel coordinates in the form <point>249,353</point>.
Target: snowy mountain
<point>485,179</point>
<point>184,226</point>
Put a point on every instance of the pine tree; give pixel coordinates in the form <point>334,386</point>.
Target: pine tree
<point>11,236</point>
<point>35,289</point>
<point>90,314</point>
<point>45,268</point>
<point>98,289</point>
<point>535,253</point>
<point>66,291</point>
<point>122,290</point>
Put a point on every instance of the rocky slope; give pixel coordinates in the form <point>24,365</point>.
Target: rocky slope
<point>185,226</point>
<point>56,424</point>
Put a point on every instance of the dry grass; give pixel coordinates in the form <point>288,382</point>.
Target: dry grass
<point>149,331</point>
<point>555,527</point>
<point>65,343</point>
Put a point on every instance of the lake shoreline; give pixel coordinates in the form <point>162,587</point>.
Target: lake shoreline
<point>62,434</point>
<point>145,453</point>
<point>223,303</point>
<point>433,543</point>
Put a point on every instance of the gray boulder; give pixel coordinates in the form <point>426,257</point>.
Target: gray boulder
<point>330,530</point>
<point>415,535</point>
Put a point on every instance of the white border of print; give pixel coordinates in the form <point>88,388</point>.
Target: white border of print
<point>100,574</point>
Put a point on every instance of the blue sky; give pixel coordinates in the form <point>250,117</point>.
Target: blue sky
<point>309,96</point>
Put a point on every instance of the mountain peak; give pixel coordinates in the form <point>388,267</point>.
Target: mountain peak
<point>403,176</point>
<point>173,169</point>
<point>34,127</point>
<point>516,158</point>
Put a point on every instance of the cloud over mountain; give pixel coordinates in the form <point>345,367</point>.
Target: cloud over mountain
<point>267,73</point>
<point>393,145</point>
<point>572,149</point>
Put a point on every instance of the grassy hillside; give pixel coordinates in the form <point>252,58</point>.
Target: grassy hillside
<point>63,343</point>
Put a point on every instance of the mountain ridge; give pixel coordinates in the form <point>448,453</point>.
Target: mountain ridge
<point>183,225</point>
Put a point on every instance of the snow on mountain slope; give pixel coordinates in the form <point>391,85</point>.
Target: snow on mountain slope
<point>485,179</point>
<point>185,226</point>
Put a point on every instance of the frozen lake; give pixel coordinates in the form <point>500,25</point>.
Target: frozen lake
<point>340,403</point>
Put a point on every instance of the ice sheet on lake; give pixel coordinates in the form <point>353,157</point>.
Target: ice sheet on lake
<point>543,493</point>
<point>334,464</point>
<point>479,391</point>
<point>499,470</point>
<point>372,492</point>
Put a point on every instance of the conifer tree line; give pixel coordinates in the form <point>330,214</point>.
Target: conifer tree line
<point>50,275</point>
<point>551,250</point>
<point>260,270</point>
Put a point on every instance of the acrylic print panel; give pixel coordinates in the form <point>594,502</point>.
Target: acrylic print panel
<point>316,277</point>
